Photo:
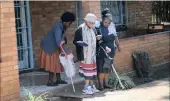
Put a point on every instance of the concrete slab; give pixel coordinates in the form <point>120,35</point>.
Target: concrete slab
<point>35,83</point>
<point>154,91</point>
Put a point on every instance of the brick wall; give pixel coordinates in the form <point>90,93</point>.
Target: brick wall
<point>91,7</point>
<point>44,14</point>
<point>9,80</point>
<point>157,45</point>
<point>143,11</point>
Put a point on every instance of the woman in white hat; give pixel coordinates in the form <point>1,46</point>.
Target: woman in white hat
<point>85,42</point>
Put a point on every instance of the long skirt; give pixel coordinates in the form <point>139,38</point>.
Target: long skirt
<point>88,71</point>
<point>50,63</point>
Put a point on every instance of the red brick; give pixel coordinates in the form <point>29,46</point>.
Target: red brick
<point>8,34</point>
<point>9,44</point>
<point>3,74</point>
<point>5,10</point>
<point>4,93</point>
<point>16,89</point>
<point>12,53</point>
<point>5,30</point>
<point>5,59</point>
<point>7,69</point>
<point>15,99</point>
<point>16,76</point>
<point>9,63</point>
<point>13,29</point>
<point>14,72</point>
<point>10,97</point>
<point>11,10</point>
<point>12,20</point>
<point>7,5</point>
<point>8,15</point>
<point>8,78</point>
<point>8,39</point>
<point>8,49</point>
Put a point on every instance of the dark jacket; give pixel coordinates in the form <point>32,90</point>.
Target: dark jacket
<point>107,40</point>
<point>52,40</point>
<point>79,49</point>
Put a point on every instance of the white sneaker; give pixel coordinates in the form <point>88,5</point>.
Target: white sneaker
<point>88,91</point>
<point>94,89</point>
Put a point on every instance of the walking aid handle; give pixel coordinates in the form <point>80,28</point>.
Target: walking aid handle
<point>66,57</point>
<point>63,49</point>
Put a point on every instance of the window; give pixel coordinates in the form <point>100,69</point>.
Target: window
<point>117,9</point>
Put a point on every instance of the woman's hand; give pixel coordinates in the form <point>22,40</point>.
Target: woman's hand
<point>81,43</point>
<point>62,42</point>
<point>108,50</point>
<point>98,37</point>
<point>119,49</point>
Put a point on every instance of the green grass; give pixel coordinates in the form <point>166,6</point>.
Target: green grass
<point>31,97</point>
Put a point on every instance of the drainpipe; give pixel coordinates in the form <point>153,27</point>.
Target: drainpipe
<point>77,14</point>
<point>29,34</point>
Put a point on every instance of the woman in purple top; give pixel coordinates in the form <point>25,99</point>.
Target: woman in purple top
<point>50,48</point>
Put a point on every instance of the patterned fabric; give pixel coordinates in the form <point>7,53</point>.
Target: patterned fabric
<point>88,65</point>
<point>89,38</point>
<point>88,71</point>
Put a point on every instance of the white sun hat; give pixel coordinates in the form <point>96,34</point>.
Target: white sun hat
<point>90,18</point>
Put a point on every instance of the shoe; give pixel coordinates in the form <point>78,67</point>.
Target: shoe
<point>94,89</point>
<point>101,88</point>
<point>107,87</point>
<point>88,91</point>
<point>61,82</point>
<point>52,84</point>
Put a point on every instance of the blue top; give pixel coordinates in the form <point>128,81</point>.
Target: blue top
<point>104,31</point>
<point>52,40</point>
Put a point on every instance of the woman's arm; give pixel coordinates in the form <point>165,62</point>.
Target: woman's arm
<point>77,36</point>
<point>108,37</point>
<point>59,37</point>
<point>117,43</point>
<point>79,49</point>
<point>112,30</point>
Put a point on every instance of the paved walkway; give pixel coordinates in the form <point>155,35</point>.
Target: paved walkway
<point>154,91</point>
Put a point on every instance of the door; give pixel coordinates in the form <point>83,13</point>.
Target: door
<point>24,41</point>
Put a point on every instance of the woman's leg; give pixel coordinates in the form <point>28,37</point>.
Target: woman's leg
<point>93,86</point>
<point>106,76</point>
<point>87,82</point>
<point>59,80</point>
<point>101,79</point>
<point>87,88</point>
<point>50,79</point>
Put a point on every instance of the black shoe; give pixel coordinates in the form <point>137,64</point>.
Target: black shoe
<point>107,87</point>
<point>101,88</point>
<point>52,84</point>
<point>61,82</point>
